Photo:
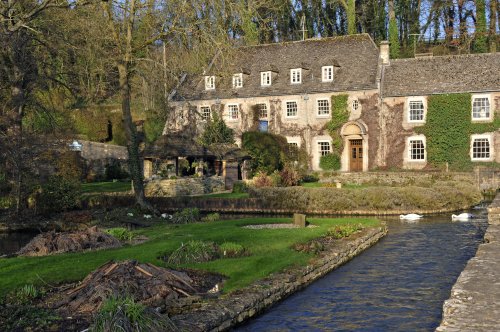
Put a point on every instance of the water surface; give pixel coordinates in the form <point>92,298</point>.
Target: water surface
<point>399,284</point>
<point>12,242</point>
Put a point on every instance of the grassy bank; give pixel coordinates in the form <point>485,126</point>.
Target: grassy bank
<point>440,195</point>
<point>270,252</point>
<point>106,187</point>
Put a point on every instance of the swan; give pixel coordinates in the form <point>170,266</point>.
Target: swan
<point>411,216</point>
<point>462,216</point>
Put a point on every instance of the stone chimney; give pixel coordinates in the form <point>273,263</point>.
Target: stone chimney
<point>384,52</point>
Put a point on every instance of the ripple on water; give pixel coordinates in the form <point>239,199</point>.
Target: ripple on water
<point>400,284</point>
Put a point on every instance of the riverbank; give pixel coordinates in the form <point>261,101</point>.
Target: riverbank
<point>474,304</point>
<point>222,314</point>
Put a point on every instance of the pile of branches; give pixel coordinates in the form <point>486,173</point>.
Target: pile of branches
<point>52,242</point>
<point>145,283</point>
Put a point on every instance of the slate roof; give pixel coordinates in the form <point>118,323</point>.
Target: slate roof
<point>178,145</point>
<point>355,61</point>
<point>175,145</point>
<point>442,74</point>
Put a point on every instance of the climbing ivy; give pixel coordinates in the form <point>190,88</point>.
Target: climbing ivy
<point>340,115</point>
<point>448,129</point>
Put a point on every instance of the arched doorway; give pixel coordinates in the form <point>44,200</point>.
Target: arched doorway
<point>355,154</point>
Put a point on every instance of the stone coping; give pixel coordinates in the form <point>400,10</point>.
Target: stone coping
<point>474,303</point>
<point>226,312</point>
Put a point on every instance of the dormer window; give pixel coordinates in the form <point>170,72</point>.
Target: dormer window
<point>296,76</point>
<point>327,74</point>
<point>209,82</point>
<point>237,81</point>
<point>265,78</point>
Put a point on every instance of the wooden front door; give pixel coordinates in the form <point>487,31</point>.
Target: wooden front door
<point>356,155</point>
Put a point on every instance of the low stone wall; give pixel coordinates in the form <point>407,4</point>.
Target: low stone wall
<point>222,314</point>
<point>96,150</point>
<point>184,186</point>
<point>474,304</point>
<point>494,211</point>
<point>398,178</point>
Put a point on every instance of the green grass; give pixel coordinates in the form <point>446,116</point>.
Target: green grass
<point>270,248</point>
<point>105,187</point>
<point>312,185</point>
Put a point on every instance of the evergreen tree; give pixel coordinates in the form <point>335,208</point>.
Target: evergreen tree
<point>480,45</point>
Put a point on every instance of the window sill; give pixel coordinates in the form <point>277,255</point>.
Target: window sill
<point>291,117</point>
<point>323,116</point>
<point>482,120</point>
<point>482,159</point>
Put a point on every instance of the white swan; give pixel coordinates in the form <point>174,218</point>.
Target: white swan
<point>411,216</point>
<point>462,217</point>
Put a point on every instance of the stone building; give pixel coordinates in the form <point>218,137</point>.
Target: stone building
<point>287,89</point>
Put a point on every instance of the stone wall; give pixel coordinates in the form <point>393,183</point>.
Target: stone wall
<point>305,129</point>
<point>222,314</point>
<point>184,186</point>
<point>474,303</point>
<point>398,178</point>
<point>494,211</point>
<point>95,150</point>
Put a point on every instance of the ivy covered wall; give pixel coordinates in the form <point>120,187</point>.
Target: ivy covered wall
<point>448,129</point>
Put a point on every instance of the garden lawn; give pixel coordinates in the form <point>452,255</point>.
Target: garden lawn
<point>270,252</point>
<point>106,187</point>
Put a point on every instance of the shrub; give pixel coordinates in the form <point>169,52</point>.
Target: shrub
<point>193,252</point>
<point>313,177</point>
<point>268,151</point>
<point>186,216</point>
<point>339,232</point>
<point>231,249</point>
<point>124,314</point>
<point>211,217</point>
<point>276,179</point>
<point>330,162</point>
<point>121,233</point>
<point>289,177</point>
<point>59,194</point>
<point>114,171</point>
<point>240,187</point>
<point>262,180</point>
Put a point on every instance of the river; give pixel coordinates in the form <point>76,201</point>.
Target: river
<point>399,284</point>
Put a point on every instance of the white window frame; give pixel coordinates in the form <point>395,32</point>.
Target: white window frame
<point>286,109</point>
<point>327,74</point>
<point>238,81</point>
<point>267,111</point>
<point>408,109</point>
<point>296,76</point>
<point>490,110</point>
<point>323,152</point>
<point>265,78</point>
<point>318,108</point>
<point>488,137</point>
<point>409,141</point>
<point>356,102</point>
<point>209,82</point>
<point>202,113</point>
<point>230,110</point>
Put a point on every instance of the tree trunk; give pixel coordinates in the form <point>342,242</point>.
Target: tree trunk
<point>134,158</point>
<point>18,101</point>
